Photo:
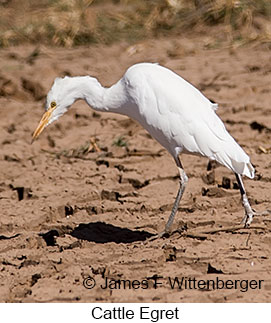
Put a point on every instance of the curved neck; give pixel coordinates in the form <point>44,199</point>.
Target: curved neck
<point>98,97</point>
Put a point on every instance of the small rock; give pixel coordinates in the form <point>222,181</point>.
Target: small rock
<point>209,178</point>
<point>213,192</point>
<point>226,183</point>
<point>91,210</point>
<point>212,164</point>
<point>11,128</point>
<point>110,195</point>
<point>65,210</point>
<point>28,262</point>
<point>137,184</point>
<point>170,252</point>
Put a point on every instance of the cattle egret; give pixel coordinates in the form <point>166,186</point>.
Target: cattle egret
<point>172,110</point>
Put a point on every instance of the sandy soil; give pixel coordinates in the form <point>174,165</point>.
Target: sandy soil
<point>69,212</point>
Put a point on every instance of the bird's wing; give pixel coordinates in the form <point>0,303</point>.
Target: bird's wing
<point>179,116</point>
<point>169,104</point>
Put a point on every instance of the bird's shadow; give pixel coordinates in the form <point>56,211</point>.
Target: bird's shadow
<point>101,232</point>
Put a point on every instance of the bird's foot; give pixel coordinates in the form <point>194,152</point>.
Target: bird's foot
<point>247,220</point>
<point>163,234</point>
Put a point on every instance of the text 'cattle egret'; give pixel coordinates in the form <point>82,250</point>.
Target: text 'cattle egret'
<point>172,110</point>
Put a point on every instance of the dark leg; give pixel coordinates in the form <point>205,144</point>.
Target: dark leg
<point>183,182</point>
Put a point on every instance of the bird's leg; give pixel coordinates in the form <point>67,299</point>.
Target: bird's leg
<point>248,210</point>
<point>183,181</point>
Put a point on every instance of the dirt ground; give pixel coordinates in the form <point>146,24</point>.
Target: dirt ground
<point>70,212</point>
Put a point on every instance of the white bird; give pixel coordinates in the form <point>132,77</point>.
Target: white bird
<point>172,110</point>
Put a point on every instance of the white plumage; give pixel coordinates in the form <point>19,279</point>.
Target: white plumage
<point>172,110</point>
<point>180,117</point>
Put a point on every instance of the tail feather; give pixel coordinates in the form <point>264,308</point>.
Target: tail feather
<point>236,160</point>
<point>243,168</point>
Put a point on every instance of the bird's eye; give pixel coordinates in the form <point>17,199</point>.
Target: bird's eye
<point>53,104</point>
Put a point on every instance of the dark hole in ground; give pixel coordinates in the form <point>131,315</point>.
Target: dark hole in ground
<point>259,126</point>
<point>213,270</point>
<point>23,192</point>
<point>102,162</point>
<point>68,210</point>
<point>101,232</point>
<point>20,192</point>
<point>49,237</point>
<point>35,279</point>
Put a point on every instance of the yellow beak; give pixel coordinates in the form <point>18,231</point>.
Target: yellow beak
<point>43,123</point>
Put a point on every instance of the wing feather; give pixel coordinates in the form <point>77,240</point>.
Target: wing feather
<point>180,117</point>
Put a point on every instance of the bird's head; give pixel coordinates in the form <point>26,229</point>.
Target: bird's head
<point>60,97</point>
